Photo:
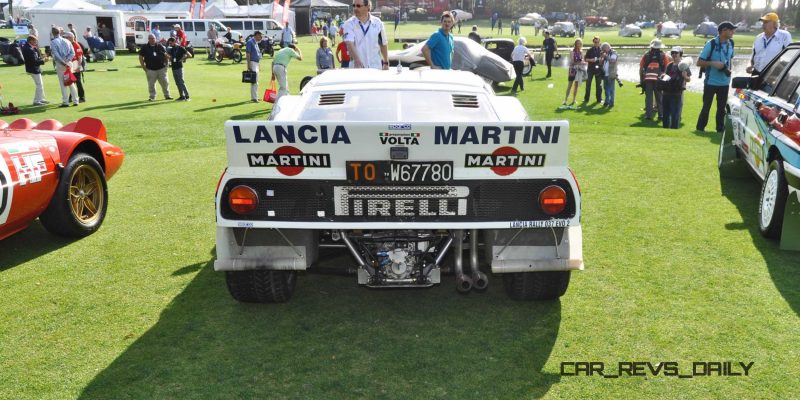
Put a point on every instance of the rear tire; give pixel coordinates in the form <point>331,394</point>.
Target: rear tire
<point>261,286</point>
<point>236,56</point>
<point>304,81</point>
<point>772,202</point>
<point>79,204</point>
<point>545,285</point>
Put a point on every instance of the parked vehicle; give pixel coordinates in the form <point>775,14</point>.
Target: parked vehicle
<point>503,48</point>
<point>247,27</point>
<point>532,18</point>
<point>43,19</point>
<point>630,30</point>
<point>11,52</point>
<point>365,161</point>
<point>56,173</point>
<point>646,24</point>
<point>227,50</point>
<point>762,127</point>
<point>706,29</point>
<point>670,28</point>
<point>563,29</point>
<point>137,22</point>
<point>195,30</point>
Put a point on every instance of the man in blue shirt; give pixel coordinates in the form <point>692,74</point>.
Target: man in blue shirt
<point>438,51</point>
<point>716,58</point>
<point>253,54</point>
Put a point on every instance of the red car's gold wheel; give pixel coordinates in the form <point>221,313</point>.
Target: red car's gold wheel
<point>86,196</point>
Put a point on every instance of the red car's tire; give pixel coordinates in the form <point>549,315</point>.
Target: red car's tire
<point>79,204</point>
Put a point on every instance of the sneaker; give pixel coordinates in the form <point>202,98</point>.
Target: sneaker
<point>254,100</point>
<point>75,104</point>
<point>82,100</point>
<point>44,102</point>
<point>167,98</point>
<point>180,98</point>
<point>64,105</point>
<point>151,99</point>
<point>187,99</point>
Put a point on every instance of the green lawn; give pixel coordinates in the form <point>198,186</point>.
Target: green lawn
<point>675,271</point>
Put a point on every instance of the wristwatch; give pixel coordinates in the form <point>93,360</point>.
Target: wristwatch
<point>384,62</point>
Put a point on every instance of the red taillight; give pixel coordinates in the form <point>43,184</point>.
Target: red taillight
<point>243,199</point>
<point>552,200</point>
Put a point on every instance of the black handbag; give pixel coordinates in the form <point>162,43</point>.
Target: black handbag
<point>249,76</point>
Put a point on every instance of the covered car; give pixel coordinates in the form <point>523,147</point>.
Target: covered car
<point>670,28</point>
<point>706,29</point>
<point>630,30</point>
<point>55,173</point>
<point>467,56</point>
<point>563,29</point>
<point>531,18</point>
<point>461,15</point>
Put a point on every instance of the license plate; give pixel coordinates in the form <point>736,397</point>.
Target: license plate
<point>399,172</point>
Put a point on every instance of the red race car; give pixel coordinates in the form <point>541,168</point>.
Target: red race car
<point>57,173</point>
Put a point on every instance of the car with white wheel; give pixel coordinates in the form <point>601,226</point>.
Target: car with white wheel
<point>410,173</point>
<point>762,128</point>
<point>56,173</point>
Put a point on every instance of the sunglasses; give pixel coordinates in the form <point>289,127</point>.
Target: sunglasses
<point>359,5</point>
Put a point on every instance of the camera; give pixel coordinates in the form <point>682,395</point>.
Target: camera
<point>619,82</point>
<point>727,72</point>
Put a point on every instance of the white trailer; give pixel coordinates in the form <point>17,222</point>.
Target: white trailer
<point>43,19</point>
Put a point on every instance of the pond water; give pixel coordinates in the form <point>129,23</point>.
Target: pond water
<point>628,65</point>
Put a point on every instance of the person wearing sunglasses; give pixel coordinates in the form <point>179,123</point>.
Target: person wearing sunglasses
<point>366,38</point>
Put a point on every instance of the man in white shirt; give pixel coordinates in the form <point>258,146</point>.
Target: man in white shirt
<point>768,43</point>
<point>63,53</point>
<point>366,38</point>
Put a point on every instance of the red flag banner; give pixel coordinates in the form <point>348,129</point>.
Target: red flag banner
<point>202,9</point>
<point>286,12</point>
<point>191,9</point>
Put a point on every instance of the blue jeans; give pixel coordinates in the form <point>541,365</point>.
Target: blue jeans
<point>672,110</point>
<point>608,86</point>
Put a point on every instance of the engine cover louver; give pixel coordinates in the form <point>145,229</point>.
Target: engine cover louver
<point>465,101</point>
<point>331,99</point>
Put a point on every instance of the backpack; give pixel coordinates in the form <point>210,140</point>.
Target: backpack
<point>713,46</point>
<point>675,82</point>
<point>654,65</point>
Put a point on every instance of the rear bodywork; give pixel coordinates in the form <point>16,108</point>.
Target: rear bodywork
<point>344,163</point>
<point>31,158</point>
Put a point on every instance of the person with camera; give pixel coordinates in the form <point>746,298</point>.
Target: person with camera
<point>608,59</point>
<point>595,69</point>
<point>716,58</point>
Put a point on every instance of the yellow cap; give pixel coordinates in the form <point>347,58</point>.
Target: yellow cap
<point>770,17</point>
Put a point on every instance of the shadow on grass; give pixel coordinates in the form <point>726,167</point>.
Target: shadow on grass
<point>260,114</point>
<point>743,190</point>
<point>712,136</point>
<point>219,106</point>
<point>29,244</point>
<point>120,106</point>
<point>337,340</point>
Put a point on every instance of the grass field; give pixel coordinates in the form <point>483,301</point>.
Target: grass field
<point>675,271</point>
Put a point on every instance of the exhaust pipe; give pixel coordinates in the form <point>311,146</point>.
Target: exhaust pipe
<point>463,282</point>
<point>479,280</point>
<point>356,255</point>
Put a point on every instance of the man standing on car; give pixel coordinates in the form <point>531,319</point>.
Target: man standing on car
<point>438,50</point>
<point>177,55</point>
<point>366,38</point>
<point>595,71</point>
<point>253,54</point>
<point>63,53</point>
<point>33,63</point>
<point>716,57</point>
<point>768,43</point>
<point>154,59</point>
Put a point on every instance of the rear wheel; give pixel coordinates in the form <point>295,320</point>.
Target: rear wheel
<point>261,286</point>
<point>218,56</point>
<point>78,207</point>
<point>545,285</point>
<point>236,56</point>
<point>304,81</point>
<point>772,203</point>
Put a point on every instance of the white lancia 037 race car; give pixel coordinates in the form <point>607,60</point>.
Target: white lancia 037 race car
<point>399,168</point>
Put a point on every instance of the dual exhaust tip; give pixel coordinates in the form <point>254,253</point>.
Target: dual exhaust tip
<point>478,282</point>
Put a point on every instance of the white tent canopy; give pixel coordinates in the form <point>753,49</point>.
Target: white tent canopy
<point>68,5</point>
<point>20,6</point>
<point>217,11</point>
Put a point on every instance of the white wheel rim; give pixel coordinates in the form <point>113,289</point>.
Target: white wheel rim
<point>768,198</point>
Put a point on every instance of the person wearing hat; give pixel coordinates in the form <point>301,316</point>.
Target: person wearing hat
<point>716,58</point>
<point>675,78</point>
<point>651,66</point>
<point>768,43</point>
